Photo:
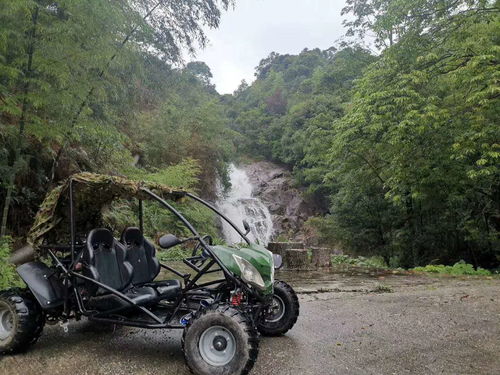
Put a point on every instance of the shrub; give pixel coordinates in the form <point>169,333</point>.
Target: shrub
<point>459,268</point>
<point>8,275</point>
<point>372,262</point>
<point>158,220</point>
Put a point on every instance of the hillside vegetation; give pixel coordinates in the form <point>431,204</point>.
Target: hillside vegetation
<point>99,86</point>
<point>398,142</point>
<point>402,148</point>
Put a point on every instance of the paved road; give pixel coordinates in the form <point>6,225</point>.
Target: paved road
<point>424,326</point>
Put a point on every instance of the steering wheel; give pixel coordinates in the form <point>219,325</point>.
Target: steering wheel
<point>207,238</point>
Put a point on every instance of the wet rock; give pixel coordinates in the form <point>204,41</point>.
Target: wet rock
<point>274,185</point>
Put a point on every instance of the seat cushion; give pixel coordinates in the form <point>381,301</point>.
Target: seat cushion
<point>140,295</point>
<point>168,289</point>
<point>173,282</point>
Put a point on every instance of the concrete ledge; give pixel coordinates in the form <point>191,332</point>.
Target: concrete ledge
<point>321,257</point>
<point>281,247</point>
<point>295,259</point>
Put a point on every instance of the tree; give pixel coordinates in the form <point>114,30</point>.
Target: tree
<point>65,88</point>
<point>421,136</point>
<point>401,149</point>
<point>201,71</point>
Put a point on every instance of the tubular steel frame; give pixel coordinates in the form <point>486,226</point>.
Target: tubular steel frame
<point>71,277</point>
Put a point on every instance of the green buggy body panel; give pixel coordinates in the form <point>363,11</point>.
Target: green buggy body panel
<point>257,255</point>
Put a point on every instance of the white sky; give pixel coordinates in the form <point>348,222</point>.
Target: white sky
<point>255,28</point>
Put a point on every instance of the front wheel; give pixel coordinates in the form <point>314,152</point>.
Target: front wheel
<point>220,341</point>
<point>21,321</point>
<point>282,313</point>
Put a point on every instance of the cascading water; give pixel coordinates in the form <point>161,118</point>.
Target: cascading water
<point>239,204</point>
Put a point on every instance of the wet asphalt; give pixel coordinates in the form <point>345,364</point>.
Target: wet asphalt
<point>348,324</point>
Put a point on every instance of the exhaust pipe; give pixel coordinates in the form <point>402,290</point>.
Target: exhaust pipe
<point>23,255</point>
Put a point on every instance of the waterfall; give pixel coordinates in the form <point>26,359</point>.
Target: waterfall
<point>239,204</point>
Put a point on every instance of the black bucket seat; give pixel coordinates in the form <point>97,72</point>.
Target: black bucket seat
<point>141,254</point>
<point>104,260</point>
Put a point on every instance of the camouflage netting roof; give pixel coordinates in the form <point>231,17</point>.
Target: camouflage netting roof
<point>92,192</point>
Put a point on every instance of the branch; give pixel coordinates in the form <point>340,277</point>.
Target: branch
<point>85,101</point>
<point>374,169</point>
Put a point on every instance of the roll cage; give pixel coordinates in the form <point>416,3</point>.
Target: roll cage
<point>160,315</point>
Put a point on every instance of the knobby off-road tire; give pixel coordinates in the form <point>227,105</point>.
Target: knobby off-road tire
<point>220,341</point>
<point>285,311</point>
<point>21,321</point>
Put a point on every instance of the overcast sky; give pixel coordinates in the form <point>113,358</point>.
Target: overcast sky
<point>256,28</point>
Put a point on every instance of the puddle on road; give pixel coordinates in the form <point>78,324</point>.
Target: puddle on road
<point>329,279</point>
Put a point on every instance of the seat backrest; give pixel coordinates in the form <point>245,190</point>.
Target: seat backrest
<point>141,253</point>
<point>105,261</point>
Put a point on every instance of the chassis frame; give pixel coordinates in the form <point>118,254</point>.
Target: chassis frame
<point>70,278</point>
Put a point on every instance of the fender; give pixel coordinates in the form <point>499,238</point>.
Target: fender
<point>43,283</point>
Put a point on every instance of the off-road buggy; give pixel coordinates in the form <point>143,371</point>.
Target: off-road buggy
<point>82,270</point>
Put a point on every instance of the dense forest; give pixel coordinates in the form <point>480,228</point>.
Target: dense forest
<point>100,86</point>
<point>394,132</point>
<point>401,147</point>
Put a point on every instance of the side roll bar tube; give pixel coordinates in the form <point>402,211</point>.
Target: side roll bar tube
<point>72,220</point>
<point>190,227</point>
<point>141,216</point>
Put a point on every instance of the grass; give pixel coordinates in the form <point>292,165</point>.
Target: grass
<point>371,262</point>
<point>459,268</point>
<point>8,275</point>
<point>175,253</point>
<point>382,288</point>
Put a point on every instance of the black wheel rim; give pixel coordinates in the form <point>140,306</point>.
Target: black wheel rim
<point>276,311</point>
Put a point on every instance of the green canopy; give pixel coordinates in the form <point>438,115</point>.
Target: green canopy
<point>91,193</point>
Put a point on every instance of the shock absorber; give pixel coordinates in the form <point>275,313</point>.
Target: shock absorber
<point>236,298</point>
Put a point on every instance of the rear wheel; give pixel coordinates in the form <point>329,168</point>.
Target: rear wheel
<point>21,321</point>
<point>220,341</point>
<point>283,312</point>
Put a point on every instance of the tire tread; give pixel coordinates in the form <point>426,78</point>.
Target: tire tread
<point>242,320</point>
<point>30,319</point>
<point>265,331</point>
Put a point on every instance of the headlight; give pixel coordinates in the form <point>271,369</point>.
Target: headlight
<point>249,273</point>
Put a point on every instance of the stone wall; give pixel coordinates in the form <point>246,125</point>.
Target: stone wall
<point>296,256</point>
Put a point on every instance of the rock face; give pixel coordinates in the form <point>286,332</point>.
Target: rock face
<point>273,184</point>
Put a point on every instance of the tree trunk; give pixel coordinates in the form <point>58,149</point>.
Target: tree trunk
<point>22,122</point>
